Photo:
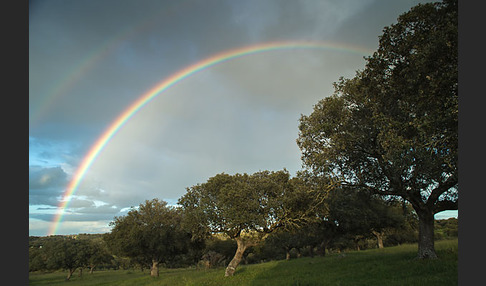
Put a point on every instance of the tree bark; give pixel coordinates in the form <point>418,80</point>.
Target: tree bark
<point>299,254</point>
<point>426,248</point>
<point>154,270</point>
<point>357,239</point>
<point>231,268</point>
<point>70,273</point>
<point>379,238</point>
<point>311,251</point>
<point>321,250</point>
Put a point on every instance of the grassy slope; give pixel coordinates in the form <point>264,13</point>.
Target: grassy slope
<point>389,266</point>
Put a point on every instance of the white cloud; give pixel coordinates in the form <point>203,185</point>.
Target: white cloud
<point>447,214</point>
<point>40,227</point>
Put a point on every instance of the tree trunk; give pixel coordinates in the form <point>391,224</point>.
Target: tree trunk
<point>356,242</point>
<point>91,269</point>
<point>321,250</point>
<point>70,273</point>
<point>80,271</point>
<point>426,249</point>
<point>231,268</point>
<point>287,255</point>
<point>311,251</point>
<point>154,271</point>
<point>379,238</point>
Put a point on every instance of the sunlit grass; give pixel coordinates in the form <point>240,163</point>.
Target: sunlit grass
<point>390,266</point>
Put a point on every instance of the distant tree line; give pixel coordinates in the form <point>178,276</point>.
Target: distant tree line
<point>71,253</point>
<point>379,161</point>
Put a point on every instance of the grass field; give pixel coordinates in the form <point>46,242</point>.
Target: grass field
<point>389,266</point>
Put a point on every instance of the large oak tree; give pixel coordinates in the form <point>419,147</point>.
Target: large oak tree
<point>392,129</point>
<point>246,208</point>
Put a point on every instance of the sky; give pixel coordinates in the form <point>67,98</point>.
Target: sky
<point>91,60</point>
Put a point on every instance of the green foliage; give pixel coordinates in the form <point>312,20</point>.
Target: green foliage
<point>360,213</point>
<point>98,254</point>
<point>246,208</point>
<point>37,259</point>
<point>393,128</point>
<point>225,247</point>
<point>446,229</point>
<point>406,232</point>
<point>150,233</point>
<point>67,252</point>
<point>217,252</point>
<point>232,204</point>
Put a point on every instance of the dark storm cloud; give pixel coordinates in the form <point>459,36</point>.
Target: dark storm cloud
<point>45,178</point>
<point>139,45</point>
<point>367,24</point>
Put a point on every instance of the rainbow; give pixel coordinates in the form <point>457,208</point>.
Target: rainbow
<point>145,98</point>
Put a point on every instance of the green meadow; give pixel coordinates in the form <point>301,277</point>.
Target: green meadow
<point>389,266</point>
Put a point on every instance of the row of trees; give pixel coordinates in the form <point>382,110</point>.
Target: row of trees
<point>217,251</point>
<point>264,210</point>
<point>156,234</point>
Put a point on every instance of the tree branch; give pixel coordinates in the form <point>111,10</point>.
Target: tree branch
<point>441,188</point>
<point>389,192</point>
<point>446,205</point>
